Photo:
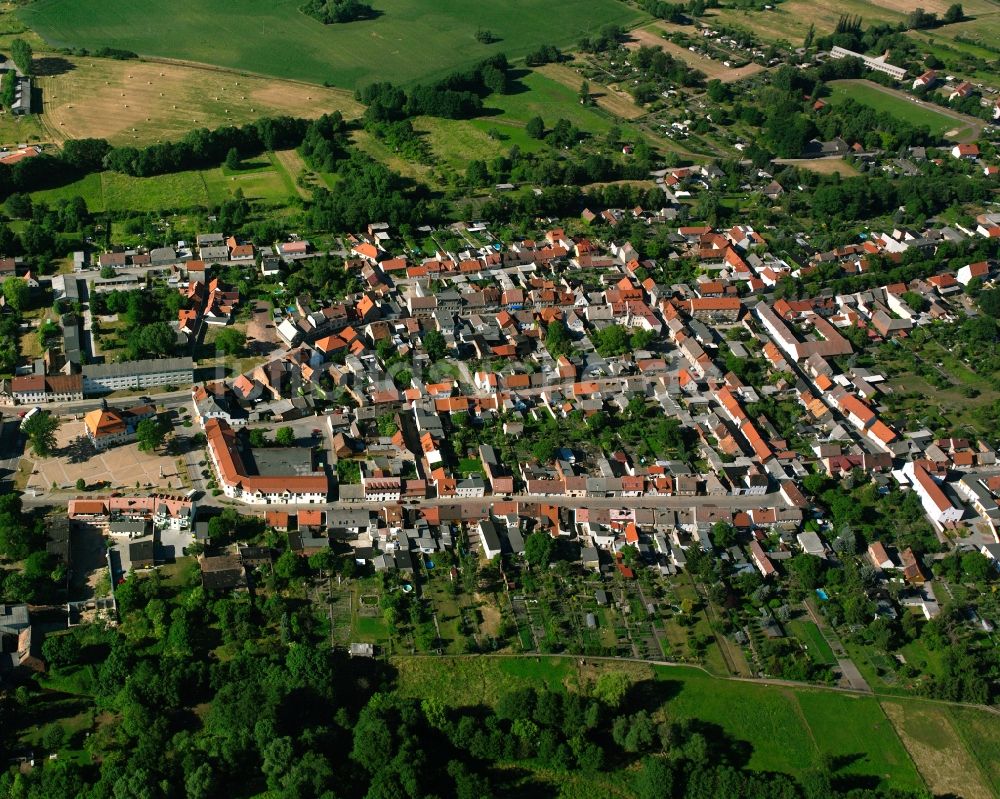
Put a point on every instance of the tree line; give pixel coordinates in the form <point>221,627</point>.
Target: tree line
<point>457,96</point>
<point>196,150</point>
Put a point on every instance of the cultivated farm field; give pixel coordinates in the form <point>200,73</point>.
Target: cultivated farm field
<point>139,102</point>
<point>409,41</point>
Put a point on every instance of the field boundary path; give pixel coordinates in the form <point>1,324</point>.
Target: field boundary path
<point>583,659</point>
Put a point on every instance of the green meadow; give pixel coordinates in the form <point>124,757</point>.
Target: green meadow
<point>409,40</point>
<point>902,108</point>
<point>263,178</point>
<point>777,728</point>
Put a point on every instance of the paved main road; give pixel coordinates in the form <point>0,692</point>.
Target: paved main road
<point>483,504</point>
<point>169,399</point>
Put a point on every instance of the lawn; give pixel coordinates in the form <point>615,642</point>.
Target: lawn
<point>470,466</point>
<point>408,41</point>
<point>16,130</point>
<point>810,635</point>
<point>902,108</point>
<point>371,628</point>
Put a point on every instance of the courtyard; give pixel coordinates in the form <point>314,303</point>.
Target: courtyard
<point>120,468</point>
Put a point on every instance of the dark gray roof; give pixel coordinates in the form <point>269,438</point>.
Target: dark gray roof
<point>14,617</point>
<point>490,535</point>
<point>141,550</point>
<point>96,371</point>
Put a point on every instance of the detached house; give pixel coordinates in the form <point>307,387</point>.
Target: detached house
<point>937,506</point>
<point>968,152</point>
<point>926,80</point>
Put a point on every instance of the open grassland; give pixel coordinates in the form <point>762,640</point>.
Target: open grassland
<point>177,190</point>
<point>266,178</point>
<point>454,142</point>
<point>538,95</point>
<point>981,24</point>
<point>378,150</point>
<point>775,728</point>
<point>409,40</point>
<point>613,101</point>
<point>955,55</point>
<point>138,102</point>
<point>790,729</point>
<point>947,124</point>
<point>980,734</point>
<point>941,752</point>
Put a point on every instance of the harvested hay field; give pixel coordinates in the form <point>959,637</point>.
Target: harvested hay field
<point>292,164</point>
<point>936,748</point>
<point>906,6</point>
<point>611,100</point>
<point>712,69</point>
<point>790,20</point>
<point>821,166</point>
<point>140,102</point>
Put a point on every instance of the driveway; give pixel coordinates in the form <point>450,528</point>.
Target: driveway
<point>172,544</point>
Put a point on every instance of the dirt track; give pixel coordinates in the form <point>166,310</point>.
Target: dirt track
<point>713,69</point>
